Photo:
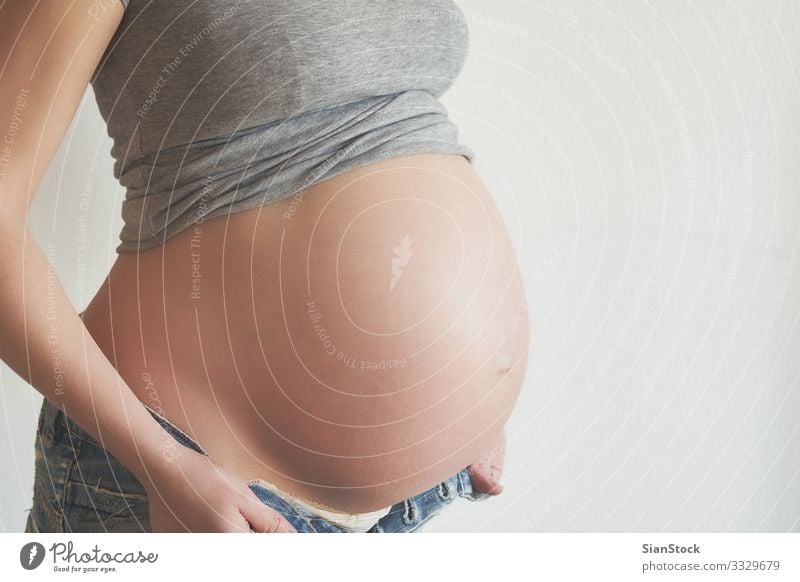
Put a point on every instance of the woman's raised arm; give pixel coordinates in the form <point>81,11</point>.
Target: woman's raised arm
<point>49,50</point>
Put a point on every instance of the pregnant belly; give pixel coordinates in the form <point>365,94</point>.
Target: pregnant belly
<point>354,344</point>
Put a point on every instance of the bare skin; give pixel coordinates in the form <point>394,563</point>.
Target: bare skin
<point>261,334</point>
<point>242,368</point>
<point>48,52</point>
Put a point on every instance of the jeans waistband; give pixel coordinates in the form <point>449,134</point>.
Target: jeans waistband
<point>176,433</point>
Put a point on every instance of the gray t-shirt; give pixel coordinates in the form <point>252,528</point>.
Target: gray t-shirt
<point>217,107</point>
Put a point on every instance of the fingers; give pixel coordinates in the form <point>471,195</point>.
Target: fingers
<point>485,478</point>
<point>485,473</point>
<point>264,519</point>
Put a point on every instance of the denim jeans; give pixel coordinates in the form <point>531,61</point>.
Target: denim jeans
<point>80,487</point>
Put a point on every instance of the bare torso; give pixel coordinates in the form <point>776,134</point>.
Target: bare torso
<point>354,344</point>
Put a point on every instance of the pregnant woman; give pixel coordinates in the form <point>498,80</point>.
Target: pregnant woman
<point>315,320</point>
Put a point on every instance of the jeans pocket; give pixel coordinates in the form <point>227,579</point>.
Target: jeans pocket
<point>93,509</point>
<point>45,515</point>
<point>78,485</point>
<point>102,495</point>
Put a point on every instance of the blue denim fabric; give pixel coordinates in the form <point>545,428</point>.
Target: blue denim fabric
<point>80,487</point>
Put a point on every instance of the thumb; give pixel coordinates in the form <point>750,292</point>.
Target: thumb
<point>484,479</point>
<point>264,519</point>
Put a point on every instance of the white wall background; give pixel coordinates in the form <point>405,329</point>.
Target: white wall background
<point>645,157</point>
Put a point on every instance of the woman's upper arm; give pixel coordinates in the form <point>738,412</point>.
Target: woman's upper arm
<point>49,50</point>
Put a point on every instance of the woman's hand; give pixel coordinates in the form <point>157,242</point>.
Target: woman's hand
<point>191,493</point>
<point>485,473</point>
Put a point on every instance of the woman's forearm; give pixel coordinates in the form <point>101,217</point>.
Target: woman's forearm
<point>45,341</point>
